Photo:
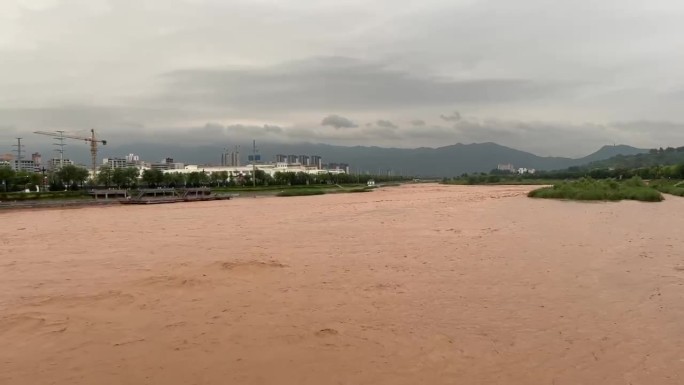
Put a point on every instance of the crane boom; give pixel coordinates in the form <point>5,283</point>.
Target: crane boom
<point>68,136</point>
<point>92,139</point>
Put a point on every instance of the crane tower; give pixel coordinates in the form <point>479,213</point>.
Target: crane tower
<point>92,140</point>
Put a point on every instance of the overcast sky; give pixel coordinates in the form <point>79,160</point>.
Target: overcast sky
<point>552,77</point>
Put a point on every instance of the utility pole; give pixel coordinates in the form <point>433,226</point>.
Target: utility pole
<point>60,144</point>
<point>91,139</point>
<point>254,159</point>
<point>19,147</point>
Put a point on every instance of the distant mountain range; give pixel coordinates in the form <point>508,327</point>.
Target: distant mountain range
<point>655,157</point>
<point>449,161</point>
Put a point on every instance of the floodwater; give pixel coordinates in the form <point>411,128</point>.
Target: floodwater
<point>419,284</point>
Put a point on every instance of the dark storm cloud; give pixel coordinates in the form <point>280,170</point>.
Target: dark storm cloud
<point>340,83</point>
<point>338,122</point>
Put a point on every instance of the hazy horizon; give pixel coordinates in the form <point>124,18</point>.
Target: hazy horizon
<point>208,153</point>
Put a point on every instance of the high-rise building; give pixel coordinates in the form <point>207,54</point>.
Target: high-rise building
<point>132,159</point>
<point>231,159</point>
<point>280,158</point>
<point>55,162</point>
<point>37,159</point>
<point>235,159</point>
<point>292,159</point>
<point>316,161</point>
<point>305,160</point>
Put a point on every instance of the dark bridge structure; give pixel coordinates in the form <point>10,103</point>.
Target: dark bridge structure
<point>172,195</point>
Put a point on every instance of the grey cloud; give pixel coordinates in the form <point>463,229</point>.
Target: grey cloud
<point>386,124</point>
<point>338,122</point>
<point>209,133</point>
<point>650,126</point>
<point>254,131</point>
<point>213,129</point>
<point>337,83</point>
<point>551,138</point>
<point>543,138</point>
<point>439,133</point>
<point>180,63</point>
<point>651,133</point>
<point>454,117</point>
<point>384,133</point>
<point>74,117</point>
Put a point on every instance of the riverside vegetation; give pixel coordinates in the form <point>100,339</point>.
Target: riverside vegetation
<point>669,187</point>
<point>321,191</point>
<point>587,189</point>
<point>618,178</point>
<point>71,182</point>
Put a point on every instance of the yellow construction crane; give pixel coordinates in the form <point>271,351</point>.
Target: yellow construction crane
<point>92,139</point>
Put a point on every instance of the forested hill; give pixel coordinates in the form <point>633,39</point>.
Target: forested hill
<point>655,157</point>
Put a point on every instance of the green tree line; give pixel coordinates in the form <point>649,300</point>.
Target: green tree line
<point>68,177</point>
<point>72,177</point>
<point>157,178</point>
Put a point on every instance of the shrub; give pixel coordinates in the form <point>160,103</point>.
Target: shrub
<point>604,190</point>
<point>300,192</point>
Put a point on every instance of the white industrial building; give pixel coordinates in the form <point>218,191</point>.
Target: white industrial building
<point>269,169</point>
<point>115,162</point>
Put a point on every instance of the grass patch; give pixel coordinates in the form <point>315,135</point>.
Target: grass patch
<point>321,191</point>
<point>45,195</point>
<point>599,190</point>
<point>349,190</point>
<point>495,180</point>
<point>389,185</point>
<point>360,189</point>
<point>668,187</point>
<point>300,192</point>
